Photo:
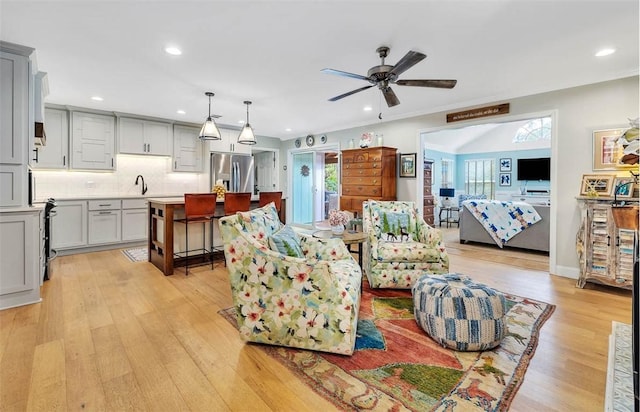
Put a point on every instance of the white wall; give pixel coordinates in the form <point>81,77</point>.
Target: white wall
<point>580,110</point>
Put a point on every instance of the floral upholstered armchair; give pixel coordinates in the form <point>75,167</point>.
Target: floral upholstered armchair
<point>401,247</point>
<point>290,290</point>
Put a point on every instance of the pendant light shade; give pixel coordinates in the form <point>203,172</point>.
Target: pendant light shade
<point>209,129</point>
<point>246,134</point>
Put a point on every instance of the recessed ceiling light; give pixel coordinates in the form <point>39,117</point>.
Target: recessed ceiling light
<point>97,98</point>
<point>367,108</point>
<point>288,129</point>
<point>181,112</point>
<point>174,51</point>
<point>605,52</point>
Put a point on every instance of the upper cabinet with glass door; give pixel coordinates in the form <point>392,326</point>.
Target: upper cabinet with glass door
<point>229,143</point>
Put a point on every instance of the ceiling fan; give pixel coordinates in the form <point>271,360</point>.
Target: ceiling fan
<point>384,75</point>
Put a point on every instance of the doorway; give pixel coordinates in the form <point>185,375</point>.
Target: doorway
<point>315,183</point>
<point>265,173</point>
<point>435,139</point>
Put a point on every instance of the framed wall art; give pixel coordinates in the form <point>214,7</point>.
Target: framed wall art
<point>597,185</point>
<point>608,150</point>
<point>505,164</point>
<point>407,165</point>
<point>505,179</point>
<point>623,187</point>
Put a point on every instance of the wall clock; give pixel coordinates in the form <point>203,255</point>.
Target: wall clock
<point>297,142</point>
<point>310,140</point>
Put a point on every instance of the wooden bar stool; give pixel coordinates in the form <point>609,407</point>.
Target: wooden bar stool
<point>267,197</point>
<point>236,202</point>
<point>198,208</point>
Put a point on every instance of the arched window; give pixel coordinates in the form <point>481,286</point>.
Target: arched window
<point>536,129</point>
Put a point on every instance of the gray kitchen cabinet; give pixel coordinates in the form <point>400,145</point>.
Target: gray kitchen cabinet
<point>14,124</point>
<point>15,74</point>
<point>134,219</point>
<point>20,260</point>
<point>69,224</point>
<point>92,141</point>
<point>145,137</point>
<point>104,221</point>
<point>187,149</point>
<point>55,153</point>
<point>229,143</point>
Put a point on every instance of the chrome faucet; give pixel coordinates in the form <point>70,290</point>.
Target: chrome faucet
<point>144,187</point>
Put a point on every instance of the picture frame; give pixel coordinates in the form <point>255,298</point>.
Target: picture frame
<point>407,165</point>
<point>505,179</point>
<point>597,185</point>
<point>606,150</point>
<point>624,192</point>
<point>505,165</point>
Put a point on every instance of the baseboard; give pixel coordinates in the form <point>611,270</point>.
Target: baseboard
<point>100,248</point>
<point>567,272</point>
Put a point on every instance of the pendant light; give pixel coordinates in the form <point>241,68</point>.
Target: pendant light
<point>246,135</point>
<point>209,129</point>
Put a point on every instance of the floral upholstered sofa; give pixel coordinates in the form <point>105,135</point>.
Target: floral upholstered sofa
<point>401,247</point>
<point>290,290</point>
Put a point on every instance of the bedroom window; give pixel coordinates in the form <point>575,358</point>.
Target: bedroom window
<point>446,177</point>
<point>534,130</point>
<point>478,177</point>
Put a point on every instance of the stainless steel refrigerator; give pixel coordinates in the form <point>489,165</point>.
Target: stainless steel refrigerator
<point>235,171</point>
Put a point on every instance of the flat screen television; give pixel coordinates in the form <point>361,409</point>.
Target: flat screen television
<point>534,169</point>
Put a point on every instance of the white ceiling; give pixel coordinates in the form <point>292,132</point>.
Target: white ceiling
<point>271,52</point>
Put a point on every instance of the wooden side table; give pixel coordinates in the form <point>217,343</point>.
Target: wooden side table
<point>349,238</point>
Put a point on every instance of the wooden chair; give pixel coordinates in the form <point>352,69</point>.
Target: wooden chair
<point>267,197</point>
<point>198,208</point>
<point>236,202</point>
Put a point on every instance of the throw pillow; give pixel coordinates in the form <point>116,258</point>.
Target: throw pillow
<point>286,241</point>
<point>394,227</point>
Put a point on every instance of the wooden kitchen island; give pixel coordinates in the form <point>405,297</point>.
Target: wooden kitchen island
<point>161,235</point>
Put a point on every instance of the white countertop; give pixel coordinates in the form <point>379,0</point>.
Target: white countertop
<point>37,207</point>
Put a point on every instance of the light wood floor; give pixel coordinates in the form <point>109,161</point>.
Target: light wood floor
<point>114,335</point>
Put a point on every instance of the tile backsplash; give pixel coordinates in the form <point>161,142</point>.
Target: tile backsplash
<point>156,170</point>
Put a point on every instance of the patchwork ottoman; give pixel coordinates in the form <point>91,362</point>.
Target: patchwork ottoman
<point>459,313</point>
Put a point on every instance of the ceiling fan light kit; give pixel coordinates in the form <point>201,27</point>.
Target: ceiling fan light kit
<point>246,134</point>
<point>209,129</point>
<point>384,75</point>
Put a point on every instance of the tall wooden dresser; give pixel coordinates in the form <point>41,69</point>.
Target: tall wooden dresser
<point>367,174</point>
<point>427,193</point>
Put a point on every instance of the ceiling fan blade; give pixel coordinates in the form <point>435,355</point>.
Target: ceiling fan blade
<point>442,84</point>
<point>390,97</point>
<point>407,62</point>
<point>333,99</point>
<point>344,74</point>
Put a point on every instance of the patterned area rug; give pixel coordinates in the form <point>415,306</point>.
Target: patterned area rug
<point>138,254</point>
<point>397,367</point>
<point>619,395</point>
